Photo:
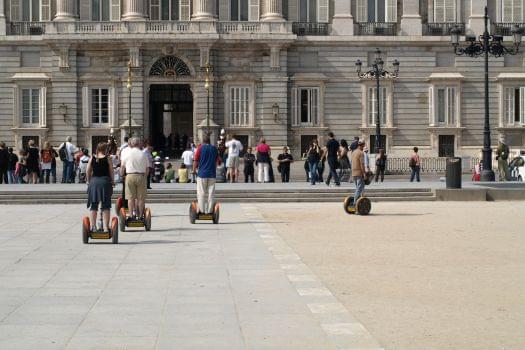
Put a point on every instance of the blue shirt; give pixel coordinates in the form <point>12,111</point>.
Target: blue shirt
<point>207,155</point>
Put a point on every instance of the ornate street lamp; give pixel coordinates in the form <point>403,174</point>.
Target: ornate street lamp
<point>378,72</point>
<point>487,45</point>
<point>129,86</point>
<point>207,67</point>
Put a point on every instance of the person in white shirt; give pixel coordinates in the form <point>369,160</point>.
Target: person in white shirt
<point>187,159</point>
<point>232,163</point>
<point>68,163</point>
<point>134,164</point>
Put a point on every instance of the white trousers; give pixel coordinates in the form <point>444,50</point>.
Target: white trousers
<point>205,195</point>
<point>263,172</point>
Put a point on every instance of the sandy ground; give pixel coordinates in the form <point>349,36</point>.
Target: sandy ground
<point>447,275</point>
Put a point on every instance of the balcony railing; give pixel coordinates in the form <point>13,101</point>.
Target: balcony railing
<point>505,28</point>
<point>442,29</point>
<point>27,28</point>
<point>376,28</point>
<point>254,27</point>
<point>309,28</point>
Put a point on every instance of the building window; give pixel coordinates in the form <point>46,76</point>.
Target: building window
<point>446,145</point>
<point>512,10</point>
<point>444,106</point>
<point>372,105</point>
<point>515,105</point>
<point>31,10</point>
<point>30,106</point>
<point>444,11</point>
<point>105,10</point>
<point>99,106</point>
<point>165,10</point>
<point>306,106</point>
<point>313,11</point>
<point>372,143</point>
<point>239,10</point>
<point>376,10</point>
<point>239,106</point>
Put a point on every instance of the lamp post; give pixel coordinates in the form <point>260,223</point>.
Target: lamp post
<point>486,45</point>
<point>207,67</point>
<point>129,85</point>
<point>378,72</point>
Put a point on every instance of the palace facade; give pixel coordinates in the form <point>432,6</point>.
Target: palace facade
<point>283,69</point>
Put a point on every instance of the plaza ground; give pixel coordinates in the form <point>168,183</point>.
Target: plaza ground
<point>436,275</point>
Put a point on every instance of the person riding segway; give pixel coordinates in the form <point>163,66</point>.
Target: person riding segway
<point>358,203</point>
<point>205,164</point>
<point>99,176</point>
<point>134,164</point>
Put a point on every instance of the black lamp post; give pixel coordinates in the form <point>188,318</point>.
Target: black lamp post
<point>129,85</point>
<point>377,72</point>
<point>487,45</point>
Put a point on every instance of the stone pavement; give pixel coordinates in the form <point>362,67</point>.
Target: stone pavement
<point>236,285</point>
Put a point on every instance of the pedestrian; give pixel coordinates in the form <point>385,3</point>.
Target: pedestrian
<point>415,165</point>
<point>354,144</point>
<point>187,160</point>
<point>306,167</point>
<point>502,156</point>
<point>205,164</point>
<point>263,154</point>
<point>321,165</point>
<point>11,167</point>
<point>234,148</point>
<point>249,161</point>
<point>134,164</point>
<point>332,155</point>
<point>314,155</point>
<point>284,159</point>
<point>67,154</point>
<point>46,156</point>
<point>380,165</point>
<point>123,146</point>
<point>147,151</point>
<point>54,165</point>
<point>21,169</point>
<point>99,176</point>
<point>4,163</point>
<point>83,165</point>
<point>33,162</point>
<point>367,160</point>
<point>344,162</point>
<point>358,169</point>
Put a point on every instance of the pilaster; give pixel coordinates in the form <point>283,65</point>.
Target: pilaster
<point>476,20</point>
<point>343,22</point>
<point>411,20</point>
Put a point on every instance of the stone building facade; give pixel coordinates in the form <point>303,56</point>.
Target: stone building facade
<point>283,69</point>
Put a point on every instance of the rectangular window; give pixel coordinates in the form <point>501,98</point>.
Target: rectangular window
<point>99,106</point>
<point>446,105</point>
<point>239,10</point>
<point>372,105</point>
<point>512,10</point>
<point>30,106</point>
<point>105,10</point>
<point>372,144</point>
<point>444,11</point>
<point>31,10</point>
<point>308,106</point>
<point>514,107</point>
<point>239,106</point>
<point>446,146</point>
<point>308,10</point>
<point>376,10</point>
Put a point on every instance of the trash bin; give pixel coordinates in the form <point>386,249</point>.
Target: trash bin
<point>453,172</point>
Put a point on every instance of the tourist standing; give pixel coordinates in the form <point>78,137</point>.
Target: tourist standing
<point>249,162</point>
<point>205,164</point>
<point>380,165</point>
<point>147,151</point>
<point>332,155</point>
<point>344,162</point>
<point>99,176</point>
<point>358,169</point>
<point>314,155</point>
<point>54,166</point>
<point>285,159</point>
<point>187,160</point>
<point>134,165</point>
<point>502,156</point>
<point>4,163</point>
<point>33,162</point>
<point>11,167</point>
<point>321,165</point>
<point>354,144</point>
<point>46,155</point>
<point>234,148</point>
<point>21,169</point>
<point>67,154</point>
<point>415,165</point>
<point>263,154</point>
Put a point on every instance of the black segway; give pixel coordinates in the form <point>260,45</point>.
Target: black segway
<point>196,215</point>
<point>126,220</point>
<point>99,233</point>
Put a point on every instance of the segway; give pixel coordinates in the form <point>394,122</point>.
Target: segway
<point>362,207</point>
<point>196,215</point>
<point>99,233</point>
<point>126,220</point>
<point>121,203</point>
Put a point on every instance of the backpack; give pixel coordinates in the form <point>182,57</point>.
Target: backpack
<point>412,162</point>
<point>62,152</point>
<point>47,156</point>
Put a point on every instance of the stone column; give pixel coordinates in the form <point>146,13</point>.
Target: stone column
<point>343,22</point>
<point>134,10</point>
<point>204,10</point>
<point>411,19</point>
<point>272,11</point>
<point>2,18</point>
<point>65,11</point>
<point>476,20</point>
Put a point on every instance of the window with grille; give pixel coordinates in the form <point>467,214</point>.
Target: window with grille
<point>444,11</point>
<point>373,108</point>
<point>514,105</point>
<point>313,11</point>
<point>170,10</point>
<point>105,10</point>
<point>30,106</point>
<point>99,106</point>
<point>239,10</point>
<point>239,106</point>
<point>31,10</point>
<point>512,10</point>
<point>376,11</point>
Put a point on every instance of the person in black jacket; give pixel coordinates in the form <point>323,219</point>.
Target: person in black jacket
<point>11,167</point>
<point>4,161</point>
<point>249,161</point>
<point>285,159</point>
<point>381,165</point>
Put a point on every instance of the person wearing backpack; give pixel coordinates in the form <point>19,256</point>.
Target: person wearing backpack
<point>46,158</point>
<point>415,165</point>
<point>66,153</point>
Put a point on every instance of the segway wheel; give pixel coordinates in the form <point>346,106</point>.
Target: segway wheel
<point>216,213</point>
<point>363,206</point>
<point>122,219</point>
<point>147,219</point>
<point>349,205</point>
<point>86,226</point>
<point>193,212</point>
<point>119,204</point>
<point>114,230</point>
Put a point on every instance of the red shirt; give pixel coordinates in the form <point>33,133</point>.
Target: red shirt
<point>263,148</point>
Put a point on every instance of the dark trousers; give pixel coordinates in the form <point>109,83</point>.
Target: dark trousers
<point>3,176</point>
<point>320,171</point>
<point>285,174</point>
<point>380,171</point>
<point>332,164</point>
<point>415,174</point>
<point>45,176</point>
<point>249,174</point>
